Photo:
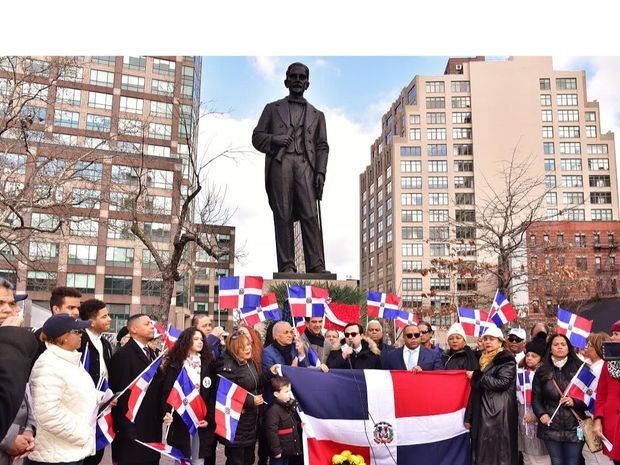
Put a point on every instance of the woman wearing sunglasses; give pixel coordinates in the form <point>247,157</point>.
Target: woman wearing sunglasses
<point>64,397</point>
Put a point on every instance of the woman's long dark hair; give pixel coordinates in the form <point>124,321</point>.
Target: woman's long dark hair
<point>177,355</point>
<point>573,362</point>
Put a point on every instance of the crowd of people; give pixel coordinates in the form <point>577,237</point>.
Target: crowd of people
<point>50,386</point>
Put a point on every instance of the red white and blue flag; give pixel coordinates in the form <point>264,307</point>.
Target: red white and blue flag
<point>474,322</point>
<point>405,318</point>
<point>185,398</point>
<point>300,325</point>
<point>524,386</point>
<point>268,310</point>
<point>583,387</point>
<point>105,430</point>
<point>85,358</point>
<point>338,315</point>
<point>307,301</point>
<point>576,328</point>
<point>382,305</point>
<point>228,407</point>
<point>313,358</point>
<point>170,335</point>
<point>387,417</point>
<point>501,310</point>
<point>166,451</point>
<point>240,292</point>
<point>138,387</point>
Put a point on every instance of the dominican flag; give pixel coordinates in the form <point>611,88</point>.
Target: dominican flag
<point>268,310</point>
<point>307,301</point>
<point>166,451</point>
<point>524,386</point>
<point>576,328</point>
<point>387,417</point>
<point>137,388</point>
<point>85,358</point>
<point>300,325</point>
<point>405,319</point>
<point>105,430</point>
<point>313,358</point>
<point>583,387</point>
<point>501,310</point>
<point>228,407</point>
<point>240,292</point>
<point>338,315</point>
<point>474,322</point>
<point>382,305</point>
<point>185,398</point>
<point>170,334</point>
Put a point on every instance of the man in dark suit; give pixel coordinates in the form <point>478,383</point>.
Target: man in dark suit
<point>412,356</point>
<point>127,363</point>
<point>96,350</point>
<point>293,135</point>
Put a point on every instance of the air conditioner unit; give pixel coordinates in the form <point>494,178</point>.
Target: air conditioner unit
<point>459,67</point>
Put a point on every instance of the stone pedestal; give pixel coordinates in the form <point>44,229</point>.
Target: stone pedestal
<point>327,276</point>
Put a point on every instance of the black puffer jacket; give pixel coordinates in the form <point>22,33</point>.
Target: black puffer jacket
<point>283,429</point>
<point>464,359</point>
<point>367,358</point>
<point>492,413</point>
<point>545,399</point>
<point>245,375</point>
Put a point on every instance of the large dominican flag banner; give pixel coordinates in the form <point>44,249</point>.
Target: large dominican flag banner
<point>240,292</point>
<point>307,301</point>
<point>576,328</point>
<point>382,305</point>
<point>473,321</point>
<point>387,417</point>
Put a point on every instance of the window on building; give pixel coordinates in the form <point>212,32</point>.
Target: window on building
<point>135,62</point>
<point>461,133</point>
<point>463,182</point>
<point>572,181</point>
<point>134,83</point>
<point>568,116</point>
<point>407,151</point>
<point>436,118</point>
<point>545,100</point>
<point>461,117</point>
<point>566,99</point>
<point>119,256</point>
<point>602,214</point>
<point>570,148</point>
<point>84,283</point>
<point>464,198</point>
<point>100,100</point>
<point>597,149</point>
<point>125,175</point>
<point>161,109</point>
<point>463,165</point>
<point>410,232</point>
<point>572,198</point>
<point>460,86</point>
<point>158,205</point>
<point>411,182</point>
<point>546,116</point>
<point>438,216</point>
<point>591,131</point>
<point>409,266</point>
<point>438,166</point>
<point>461,102</point>
<point>132,105</point>
<point>98,123</point>
<point>82,254</point>
<point>438,198</point>
<point>117,285</point>
<point>439,249</point>
<point>159,232</point>
<point>440,284</point>
<point>160,87</point>
<point>590,116</point>
<point>549,164</point>
<point>68,96</point>
<point>547,132</point>
<point>415,134</point>
<point>119,229</point>
<point>548,148</point>
<point>544,83</point>
<point>600,181</point>
<point>566,83</point>
<point>570,164</point>
<point>166,67</point>
<point>600,197</point>
<point>160,131</point>
<point>581,263</point>
<point>438,182</point>
<point>66,119</point>
<point>596,164</point>
<point>437,150</point>
<point>436,133</point>
<point>551,198</point>
<point>438,233</point>
<point>85,227</point>
<point>462,149</point>
<point>43,252</point>
<point>101,78</point>
<point>411,250</point>
<point>411,216</point>
<point>569,132</point>
<point>160,179</point>
<point>410,199</point>
<point>550,181</point>
<point>410,166</point>
<point>41,280</point>
<point>104,60</point>
<point>435,102</point>
<point>574,214</point>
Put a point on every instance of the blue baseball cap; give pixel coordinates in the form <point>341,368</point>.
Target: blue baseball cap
<point>62,323</point>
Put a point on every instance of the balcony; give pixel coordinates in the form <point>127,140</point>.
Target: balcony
<point>610,245</point>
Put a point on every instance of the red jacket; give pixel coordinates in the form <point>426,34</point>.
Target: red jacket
<point>607,408</point>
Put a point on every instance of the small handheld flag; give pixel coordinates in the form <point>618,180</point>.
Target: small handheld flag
<point>228,407</point>
<point>501,311</point>
<point>138,387</point>
<point>104,434</point>
<point>474,322</point>
<point>524,386</point>
<point>240,292</point>
<point>405,318</point>
<point>382,305</point>
<point>166,451</point>
<point>300,325</point>
<point>576,328</point>
<point>170,335</point>
<point>185,398</point>
<point>268,310</point>
<point>583,387</point>
<point>307,301</point>
<point>313,358</point>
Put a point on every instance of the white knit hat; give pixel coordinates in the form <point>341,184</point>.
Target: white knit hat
<point>495,332</point>
<point>456,328</point>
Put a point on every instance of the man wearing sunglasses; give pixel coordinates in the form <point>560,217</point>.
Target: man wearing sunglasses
<point>515,343</point>
<point>357,352</point>
<point>413,356</point>
<point>426,338</point>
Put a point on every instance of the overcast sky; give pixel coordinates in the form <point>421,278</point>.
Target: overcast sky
<point>353,92</point>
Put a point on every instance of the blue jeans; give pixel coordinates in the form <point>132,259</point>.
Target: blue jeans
<point>280,461</point>
<point>564,453</point>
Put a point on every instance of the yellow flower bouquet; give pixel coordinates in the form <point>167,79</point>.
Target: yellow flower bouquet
<point>346,457</point>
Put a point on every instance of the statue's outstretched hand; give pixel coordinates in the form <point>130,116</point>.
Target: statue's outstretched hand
<point>319,181</point>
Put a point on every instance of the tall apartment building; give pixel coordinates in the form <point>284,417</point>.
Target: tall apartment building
<point>444,139</point>
<point>131,119</point>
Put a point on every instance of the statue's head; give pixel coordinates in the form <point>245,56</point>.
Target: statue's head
<point>297,78</point>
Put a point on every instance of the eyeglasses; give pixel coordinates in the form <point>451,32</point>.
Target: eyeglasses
<point>76,331</point>
<point>412,335</point>
<point>424,332</point>
<point>350,334</point>
<point>236,334</point>
<point>514,339</point>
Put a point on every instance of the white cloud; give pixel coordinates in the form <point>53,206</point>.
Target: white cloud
<point>267,67</point>
<point>244,180</point>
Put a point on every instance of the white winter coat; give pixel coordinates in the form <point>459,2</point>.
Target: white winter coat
<point>64,400</point>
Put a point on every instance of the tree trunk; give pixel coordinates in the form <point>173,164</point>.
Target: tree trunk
<point>165,314</point>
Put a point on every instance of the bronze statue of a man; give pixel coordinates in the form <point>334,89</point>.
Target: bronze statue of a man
<point>292,135</point>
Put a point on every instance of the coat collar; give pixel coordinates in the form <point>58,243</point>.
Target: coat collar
<point>71,356</point>
<point>284,112</point>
